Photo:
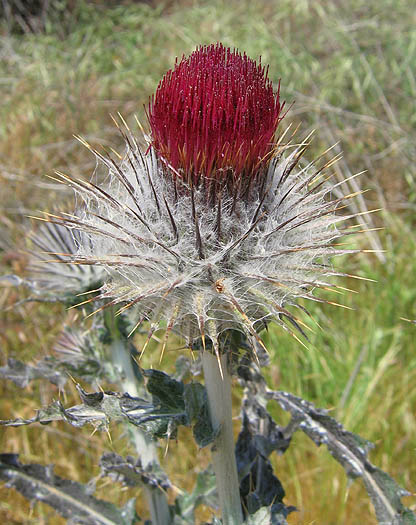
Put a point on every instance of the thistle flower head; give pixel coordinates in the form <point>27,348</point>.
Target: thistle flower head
<point>214,116</point>
<point>208,258</point>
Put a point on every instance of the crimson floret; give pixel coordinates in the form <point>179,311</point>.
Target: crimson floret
<point>214,115</point>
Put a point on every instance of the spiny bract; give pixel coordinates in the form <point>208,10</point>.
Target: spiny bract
<point>201,269</point>
<point>200,247</point>
<point>49,270</point>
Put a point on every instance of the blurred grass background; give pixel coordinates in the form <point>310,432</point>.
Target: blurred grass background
<point>350,68</point>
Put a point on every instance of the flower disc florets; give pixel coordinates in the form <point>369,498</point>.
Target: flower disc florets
<point>206,266</point>
<point>214,116</point>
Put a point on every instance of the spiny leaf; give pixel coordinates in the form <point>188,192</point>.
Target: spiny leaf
<point>98,408</point>
<point>178,404</point>
<point>258,438</point>
<point>22,374</point>
<point>259,487</point>
<point>130,472</point>
<point>351,451</point>
<point>70,499</point>
<point>173,404</point>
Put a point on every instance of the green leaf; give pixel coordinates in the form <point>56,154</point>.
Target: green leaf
<point>168,391</point>
<point>195,398</point>
<point>197,411</point>
<point>70,499</point>
<point>169,407</point>
<point>258,438</point>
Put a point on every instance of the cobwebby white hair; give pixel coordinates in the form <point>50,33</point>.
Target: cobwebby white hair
<point>200,263</point>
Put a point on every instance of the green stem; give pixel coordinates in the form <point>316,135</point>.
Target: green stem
<point>144,444</point>
<point>218,385</point>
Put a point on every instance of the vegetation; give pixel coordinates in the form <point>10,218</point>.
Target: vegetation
<point>349,71</point>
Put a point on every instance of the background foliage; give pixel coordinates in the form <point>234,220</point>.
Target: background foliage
<point>350,71</point>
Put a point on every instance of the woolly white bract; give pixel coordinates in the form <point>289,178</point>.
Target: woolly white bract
<point>200,264</point>
<point>49,271</point>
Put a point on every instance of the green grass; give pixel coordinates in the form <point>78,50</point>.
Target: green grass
<point>362,366</point>
<point>350,73</point>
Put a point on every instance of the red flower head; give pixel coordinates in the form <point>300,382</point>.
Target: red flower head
<point>214,116</point>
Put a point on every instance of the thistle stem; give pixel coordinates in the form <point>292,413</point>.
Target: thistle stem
<point>218,385</point>
<point>145,446</point>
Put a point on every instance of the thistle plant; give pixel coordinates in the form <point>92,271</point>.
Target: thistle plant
<point>213,230</point>
<point>216,227</point>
